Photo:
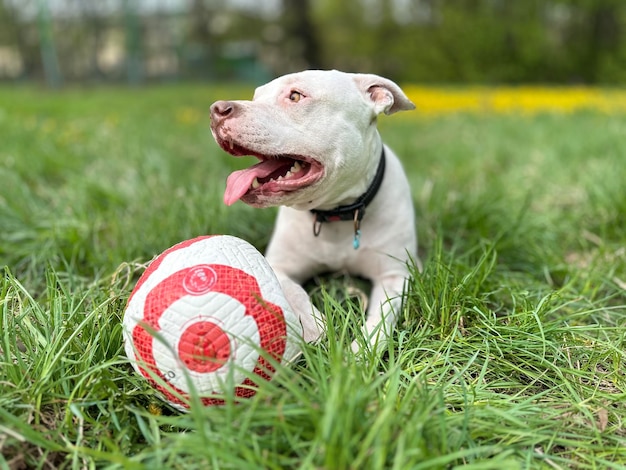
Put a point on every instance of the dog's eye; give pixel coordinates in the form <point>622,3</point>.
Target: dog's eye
<point>295,96</point>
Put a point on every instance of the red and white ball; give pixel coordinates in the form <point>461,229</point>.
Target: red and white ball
<point>206,316</point>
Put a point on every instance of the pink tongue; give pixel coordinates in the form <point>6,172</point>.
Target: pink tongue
<point>238,182</point>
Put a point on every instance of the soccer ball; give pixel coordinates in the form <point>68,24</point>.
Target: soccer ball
<point>208,316</point>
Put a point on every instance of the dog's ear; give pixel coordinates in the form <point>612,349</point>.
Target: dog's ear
<point>385,95</point>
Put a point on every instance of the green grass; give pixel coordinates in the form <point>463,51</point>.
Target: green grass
<point>510,352</point>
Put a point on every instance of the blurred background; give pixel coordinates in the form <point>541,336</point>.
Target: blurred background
<point>64,42</point>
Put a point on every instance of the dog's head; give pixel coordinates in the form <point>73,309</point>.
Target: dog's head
<point>314,134</point>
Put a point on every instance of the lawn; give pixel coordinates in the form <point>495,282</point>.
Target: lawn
<point>510,353</point>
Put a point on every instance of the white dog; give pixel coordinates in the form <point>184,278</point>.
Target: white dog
<point>345,200</point>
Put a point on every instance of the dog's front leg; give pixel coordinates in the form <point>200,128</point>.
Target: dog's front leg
<point>310,318</point>
<point>383,311</point>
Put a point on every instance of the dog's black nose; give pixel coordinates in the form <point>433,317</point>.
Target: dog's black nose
<point>221,110</point>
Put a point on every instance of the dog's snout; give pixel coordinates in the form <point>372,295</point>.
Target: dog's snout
<point>221,110</point>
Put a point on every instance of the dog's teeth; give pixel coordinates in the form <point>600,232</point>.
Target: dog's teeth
<point>255,183</point>
<point>296,167</point>
<point>288,175</point>
<point>232,143</point>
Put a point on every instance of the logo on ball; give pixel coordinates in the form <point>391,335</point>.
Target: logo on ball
<point>199,280</point>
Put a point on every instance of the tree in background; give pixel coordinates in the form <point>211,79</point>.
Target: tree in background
<point>21,39</point>
<point>486,41</point>
<point>596,33</point>
<point>303,44</point>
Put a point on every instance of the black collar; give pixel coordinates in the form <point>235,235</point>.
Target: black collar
<point>354,211</point>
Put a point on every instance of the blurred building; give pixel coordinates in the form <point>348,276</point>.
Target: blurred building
<point>134,40</point>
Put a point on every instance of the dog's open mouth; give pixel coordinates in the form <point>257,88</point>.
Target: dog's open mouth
<point>273,175</point>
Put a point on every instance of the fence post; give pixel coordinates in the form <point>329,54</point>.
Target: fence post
<point>50,60</point>
<point>133,37</point>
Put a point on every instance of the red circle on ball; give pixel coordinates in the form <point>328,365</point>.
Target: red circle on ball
<point>204,347</point>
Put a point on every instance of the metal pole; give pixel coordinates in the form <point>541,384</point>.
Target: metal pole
<point>51,69</point>
<point>133,52</point>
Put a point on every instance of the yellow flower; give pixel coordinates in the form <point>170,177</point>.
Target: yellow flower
<point>433,101</point>
<point>155,409</point>
<point>188,116</point>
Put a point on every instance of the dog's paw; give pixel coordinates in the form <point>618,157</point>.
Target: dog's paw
<point>356,347</point>
<point>372,347</point>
